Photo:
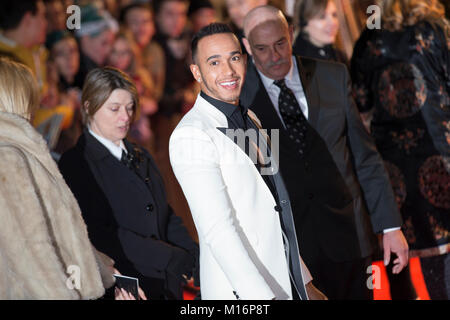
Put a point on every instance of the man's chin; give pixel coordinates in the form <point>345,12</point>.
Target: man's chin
<point>278,71</point>
<point>231,100</point>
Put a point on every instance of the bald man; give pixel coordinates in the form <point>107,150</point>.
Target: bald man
<point>339,189</point>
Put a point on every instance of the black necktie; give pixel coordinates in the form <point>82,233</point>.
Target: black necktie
<point>293,117</point>
<point>287,225</point>
<point>127,159</point>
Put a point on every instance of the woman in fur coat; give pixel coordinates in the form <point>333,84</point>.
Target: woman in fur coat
<point>45,252</point>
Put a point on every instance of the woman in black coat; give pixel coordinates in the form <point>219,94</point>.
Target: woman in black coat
<point>121,193</point>
<point>318,27</point>
<point>401,84</point>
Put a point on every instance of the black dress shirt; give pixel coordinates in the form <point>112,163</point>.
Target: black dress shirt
<point>238,119</point>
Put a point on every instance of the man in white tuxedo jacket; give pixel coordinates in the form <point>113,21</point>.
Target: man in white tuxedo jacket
<point>244,242</point>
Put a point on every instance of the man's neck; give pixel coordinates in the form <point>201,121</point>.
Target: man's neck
<point>216,101</point>
<point>16,36</point>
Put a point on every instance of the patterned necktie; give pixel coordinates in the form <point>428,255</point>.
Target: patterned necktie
<point>293,117</point>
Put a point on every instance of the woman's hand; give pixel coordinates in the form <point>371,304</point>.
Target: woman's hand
<point>141,294</point>
<point>122,294</point>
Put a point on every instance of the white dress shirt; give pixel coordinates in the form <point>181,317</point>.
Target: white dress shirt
<point>111,146</point>
<point>294,83</point>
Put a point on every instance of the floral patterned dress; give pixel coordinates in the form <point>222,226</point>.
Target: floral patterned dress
<point>404,79</point>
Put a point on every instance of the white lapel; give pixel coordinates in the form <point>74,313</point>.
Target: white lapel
<point>236,154</point>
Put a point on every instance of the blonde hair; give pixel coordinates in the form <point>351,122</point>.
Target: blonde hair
<point>398,14</point>
<point>99,85</point>
<point>19,93</point>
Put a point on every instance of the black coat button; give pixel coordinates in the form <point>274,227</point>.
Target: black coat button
<point>310,196</point>
<point>149,207</point>
<point>277,208</point>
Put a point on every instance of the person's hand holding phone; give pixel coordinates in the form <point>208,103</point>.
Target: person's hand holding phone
<point>127,288</point>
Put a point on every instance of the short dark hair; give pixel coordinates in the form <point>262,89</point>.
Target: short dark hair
<point>307,10</point>
<point>209,30</point>
<point>134,5</point>
<point>157,4</point>
<point>12,12</point>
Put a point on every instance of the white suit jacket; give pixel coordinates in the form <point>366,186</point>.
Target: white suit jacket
<point>241,246</point>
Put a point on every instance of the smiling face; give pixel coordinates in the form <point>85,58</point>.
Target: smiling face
<point>114,117</point>
<point>323,28</point>
<point>220,67</point>
<point>270,44</point>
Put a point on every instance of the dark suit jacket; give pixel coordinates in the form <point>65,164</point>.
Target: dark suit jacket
<point>127,215</point>
<point>331,210</point>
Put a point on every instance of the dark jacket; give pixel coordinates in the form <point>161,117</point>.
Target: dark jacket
<point>341,180</point>
<point>303,47</point>
<point>128,217</point>
<point>402,79</point>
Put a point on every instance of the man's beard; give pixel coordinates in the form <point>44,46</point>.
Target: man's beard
<point>218,96</point>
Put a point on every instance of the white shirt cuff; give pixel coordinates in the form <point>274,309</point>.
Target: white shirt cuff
<point>306,275</point>
<point>390,229</point>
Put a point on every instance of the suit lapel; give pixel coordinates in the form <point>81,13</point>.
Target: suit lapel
<point>306,70</point>
<point>257,99</point>
<point>264,109</point>
<point>220,121</point>
<point>91,145</point>
<point>102,158</point>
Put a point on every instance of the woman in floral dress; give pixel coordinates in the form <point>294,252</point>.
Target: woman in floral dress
<point>401,80</point>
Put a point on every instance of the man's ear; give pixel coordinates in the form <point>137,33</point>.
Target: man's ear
<point>291,33</point>
<point>26,19</point>
<point>86,106</point>
<point>247,45</point>
<point>85,112</point>
<point>196,72</point>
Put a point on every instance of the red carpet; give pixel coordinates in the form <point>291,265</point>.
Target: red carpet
<point>381,293</point>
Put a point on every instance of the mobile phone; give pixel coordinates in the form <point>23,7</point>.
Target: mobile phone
<point>129,284</point>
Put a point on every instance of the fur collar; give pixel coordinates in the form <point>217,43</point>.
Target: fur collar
<point>17,131</point>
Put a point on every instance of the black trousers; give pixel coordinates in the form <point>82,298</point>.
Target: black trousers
<point>340,280</point>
